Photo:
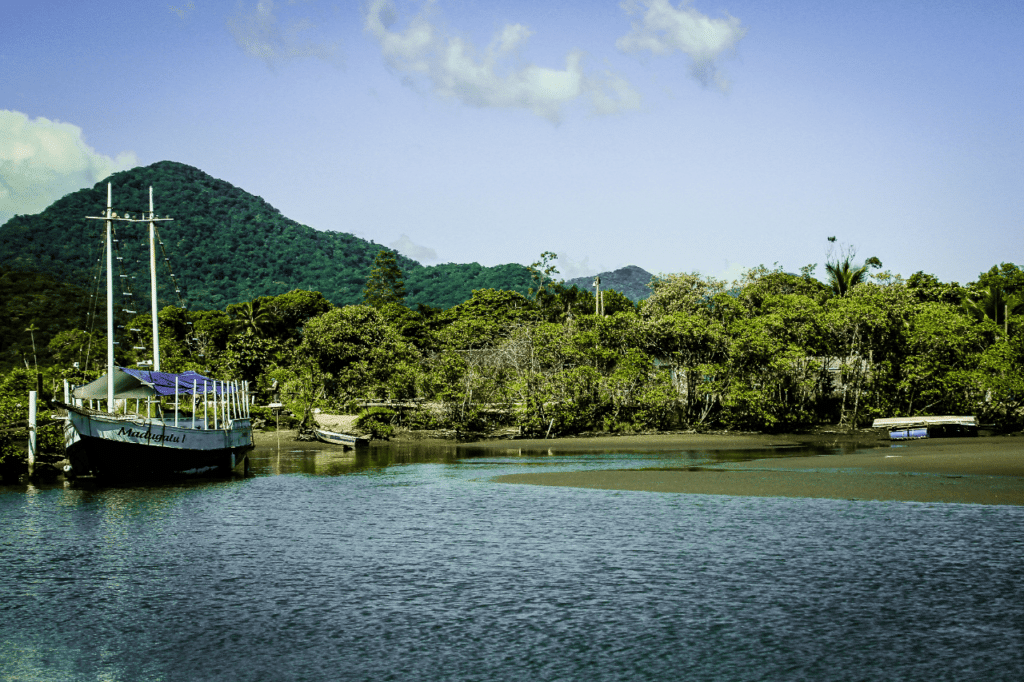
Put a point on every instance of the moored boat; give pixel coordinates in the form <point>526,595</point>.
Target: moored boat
<point>334,438</point>
<point>118,443</point>
<point>909,428</point>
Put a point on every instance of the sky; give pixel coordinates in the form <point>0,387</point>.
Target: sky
<point>708,136</point>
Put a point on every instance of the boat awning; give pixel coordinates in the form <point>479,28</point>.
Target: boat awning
<point>137,383</point>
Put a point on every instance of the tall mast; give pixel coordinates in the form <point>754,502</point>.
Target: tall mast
<point>110,305</point>
<point>109,217</point>
<point>152,284</point>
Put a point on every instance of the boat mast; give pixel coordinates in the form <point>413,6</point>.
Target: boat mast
<point>109,217</point>
<point>152,284</point>
<point>110,304</point>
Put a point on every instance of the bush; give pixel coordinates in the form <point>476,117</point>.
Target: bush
<point>377,421</point>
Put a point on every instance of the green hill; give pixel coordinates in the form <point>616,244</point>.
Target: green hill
<point>224,246</point>
<point>630,280</point>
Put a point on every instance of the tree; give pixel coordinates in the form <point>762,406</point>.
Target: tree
<point>484,319</point>
<point>615,302</point>
<point>843,275</point>
<point>683,292</point>
<point>943,350</point>
<point>252,317</point>
<point>1006,276</point>
<point>541,273</point>
<point>385,284</point>
<point>928,288</point>
<point>993,303</point>
<point>32,329</point>
<point>68,347</point>
<point>294,308</point>
<point>359,353</point>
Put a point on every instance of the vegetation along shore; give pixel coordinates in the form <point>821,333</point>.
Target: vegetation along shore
<point>774,352</point>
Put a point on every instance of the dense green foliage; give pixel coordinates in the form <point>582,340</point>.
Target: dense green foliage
<point>479,347</point>
<point>224,246</point>
<point>385,284</point>
<point>774,351</point>
<point>36,301</point>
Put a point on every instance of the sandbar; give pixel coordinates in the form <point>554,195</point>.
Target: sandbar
<point>984,470</point>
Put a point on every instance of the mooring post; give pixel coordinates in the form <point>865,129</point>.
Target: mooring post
<point>31,433</point>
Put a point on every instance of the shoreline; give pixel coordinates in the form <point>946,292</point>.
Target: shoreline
<point>980,470</point>
<point>976,470</point>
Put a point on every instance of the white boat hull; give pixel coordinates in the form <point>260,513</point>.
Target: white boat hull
<point>120,447</point>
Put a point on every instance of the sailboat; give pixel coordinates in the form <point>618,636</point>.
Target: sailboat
<point>207,431</point>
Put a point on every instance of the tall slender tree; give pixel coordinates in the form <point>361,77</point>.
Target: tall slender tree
<point>385,284</point>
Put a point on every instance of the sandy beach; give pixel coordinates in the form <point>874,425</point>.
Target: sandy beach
<point>988,470</point>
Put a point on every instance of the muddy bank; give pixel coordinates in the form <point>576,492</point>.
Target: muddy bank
<point>965,470</point>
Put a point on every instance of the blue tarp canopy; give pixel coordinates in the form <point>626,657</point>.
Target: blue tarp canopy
<point>137,383</point>
<point>163,382</point>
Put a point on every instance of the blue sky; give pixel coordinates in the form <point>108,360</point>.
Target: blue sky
<point>707,136</point>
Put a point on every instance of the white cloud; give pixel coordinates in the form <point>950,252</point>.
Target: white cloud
<point>570,268</point>
<point>664,29</point>
<point>420,254</point>
<point>260,34</point>
<point>732,272</point>
<point>456,69</point>
<point>43,160</point>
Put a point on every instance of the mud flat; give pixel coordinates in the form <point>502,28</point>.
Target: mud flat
<point>965,470</point>
<point>665,442</point>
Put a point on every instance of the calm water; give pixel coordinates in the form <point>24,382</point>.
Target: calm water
<point>409,564</point>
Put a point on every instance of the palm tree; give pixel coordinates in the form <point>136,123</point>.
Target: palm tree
<point>843,275</point>
<point>993,303</point>
<point>252,317</point>
<point>32,329</point>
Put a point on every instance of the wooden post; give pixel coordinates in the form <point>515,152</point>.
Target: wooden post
<point>31,433</point>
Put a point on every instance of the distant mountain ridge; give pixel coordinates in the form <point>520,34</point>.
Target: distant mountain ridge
<point>630,280</point>
<point>224,246</point>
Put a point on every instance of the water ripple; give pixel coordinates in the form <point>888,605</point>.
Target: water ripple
<point>427,571</point>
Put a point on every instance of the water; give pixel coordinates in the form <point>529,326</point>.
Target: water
<point>410,564</point>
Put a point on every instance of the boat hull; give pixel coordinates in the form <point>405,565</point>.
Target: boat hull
<point>116,448</point>
<point>344,439</point>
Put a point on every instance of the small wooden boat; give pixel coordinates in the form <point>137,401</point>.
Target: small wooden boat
<point>334,438</point>
<point>907,428</point>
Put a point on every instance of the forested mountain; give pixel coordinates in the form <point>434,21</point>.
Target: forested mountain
<point>224,246</point>
<point>34,308</point>
<point>630,280</point>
